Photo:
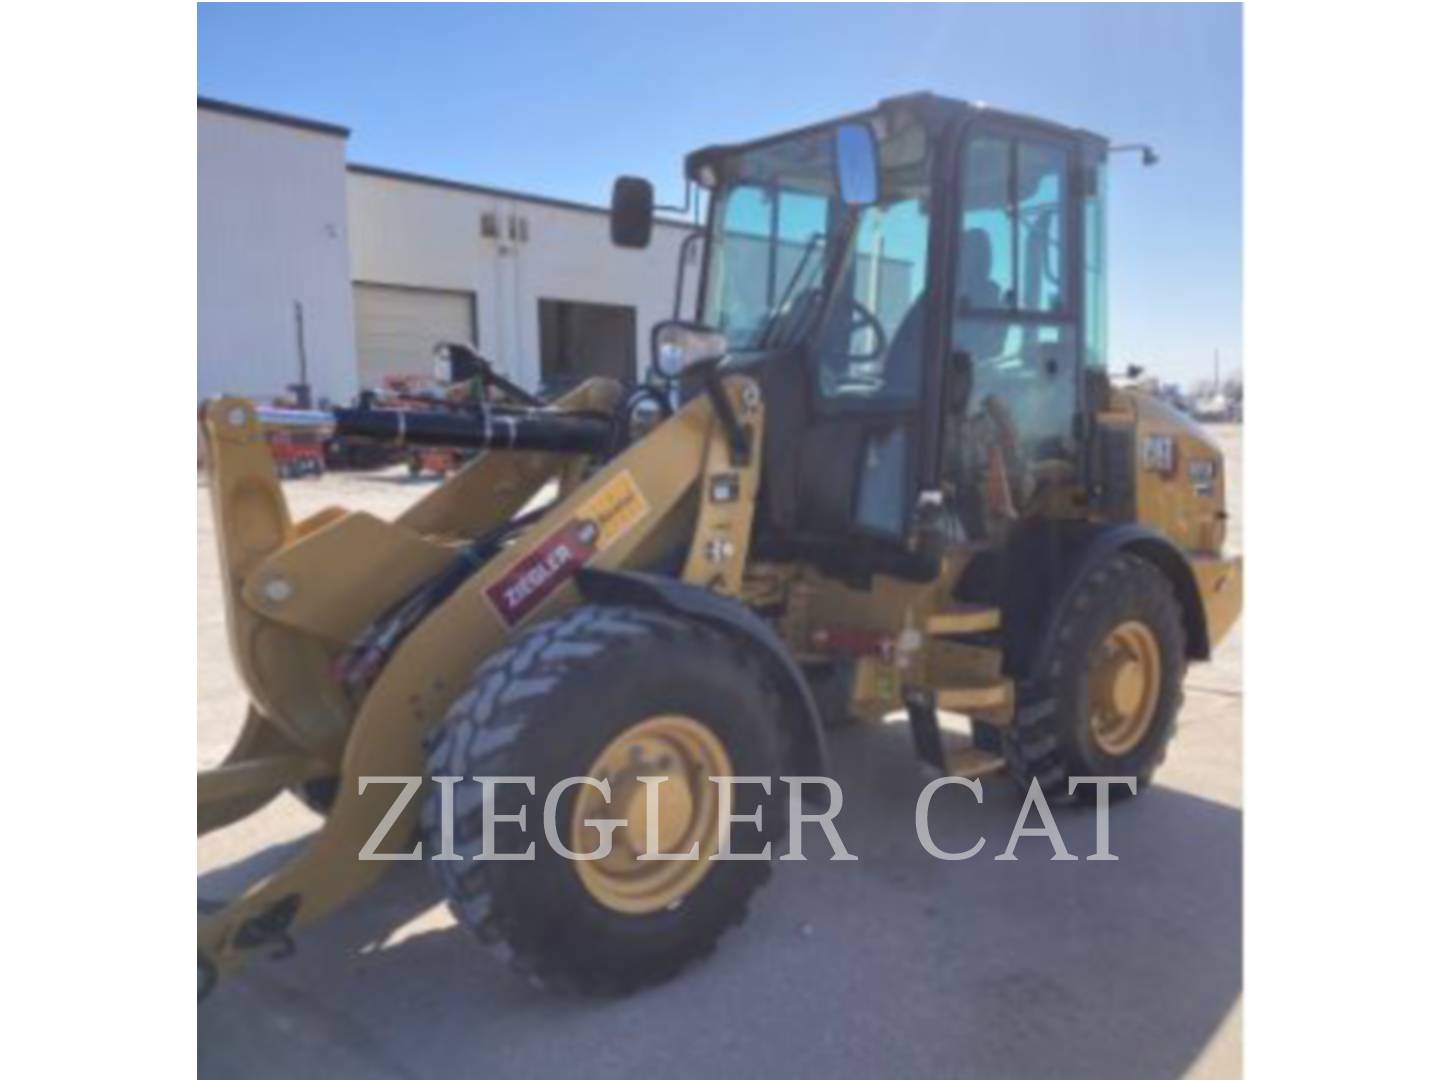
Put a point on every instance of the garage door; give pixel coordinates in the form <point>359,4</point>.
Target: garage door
<point>397,329</point>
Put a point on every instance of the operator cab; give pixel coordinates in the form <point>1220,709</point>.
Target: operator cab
<point>920,290</point>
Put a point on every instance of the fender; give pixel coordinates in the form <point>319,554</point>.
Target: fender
<point>1094,547</point>
<point>809,752</point>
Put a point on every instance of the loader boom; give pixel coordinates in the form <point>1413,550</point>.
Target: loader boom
<point>293,609</point>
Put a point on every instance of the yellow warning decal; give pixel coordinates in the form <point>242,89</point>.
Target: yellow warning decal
<point>615,509</point>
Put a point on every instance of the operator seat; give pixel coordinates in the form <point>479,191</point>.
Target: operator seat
<point>977,291</point>
<point>979,339</point>
<point>904,356</point>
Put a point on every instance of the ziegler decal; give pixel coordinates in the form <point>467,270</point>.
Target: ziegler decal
<point>598,522</point>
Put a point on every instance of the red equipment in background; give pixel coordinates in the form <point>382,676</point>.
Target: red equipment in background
<point>298,451</point>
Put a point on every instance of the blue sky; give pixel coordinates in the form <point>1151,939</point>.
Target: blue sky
<point>558,99</point>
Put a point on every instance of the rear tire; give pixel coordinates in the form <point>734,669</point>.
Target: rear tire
<point>552,704</point>
<point>1058,732</point>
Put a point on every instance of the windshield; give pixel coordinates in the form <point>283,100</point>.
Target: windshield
<point>789,261</point>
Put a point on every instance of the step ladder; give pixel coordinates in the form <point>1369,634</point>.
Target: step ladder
<point>965,678</point>
<point>962,620</point>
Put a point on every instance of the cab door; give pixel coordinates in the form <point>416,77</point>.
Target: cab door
<point>1012,404</point>
<point>861,463</point>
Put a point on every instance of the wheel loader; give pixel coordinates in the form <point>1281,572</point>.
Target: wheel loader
<point>877,470</point>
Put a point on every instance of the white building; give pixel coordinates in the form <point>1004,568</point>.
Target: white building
<point>274,258</point>
<point>360,270</point>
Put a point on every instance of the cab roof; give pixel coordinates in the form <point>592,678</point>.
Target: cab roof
<point>935,111</point>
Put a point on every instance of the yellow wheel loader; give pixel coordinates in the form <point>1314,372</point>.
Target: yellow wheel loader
<point>879,468</point>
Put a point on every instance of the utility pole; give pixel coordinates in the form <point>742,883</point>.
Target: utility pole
<point>301,390</point>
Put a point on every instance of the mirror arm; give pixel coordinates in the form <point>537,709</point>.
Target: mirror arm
<point>1147,153</point>
<point>689,194</point>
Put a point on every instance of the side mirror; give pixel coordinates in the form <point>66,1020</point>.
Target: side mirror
<point>632,212</point>
<point>677,345</point>
<point>857,165</point>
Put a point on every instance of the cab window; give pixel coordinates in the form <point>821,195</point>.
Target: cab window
<point>1012,403</point>
<point>765,235</point>
<point>1040,218</point>
<point>872,347</point>
<point>1096,345</point>
<point>1015,226</point>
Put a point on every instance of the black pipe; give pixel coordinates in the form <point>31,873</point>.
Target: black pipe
<point>481,429</point>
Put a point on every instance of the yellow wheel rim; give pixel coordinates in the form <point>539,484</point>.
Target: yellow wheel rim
<point>1124,688</point>
<point>687,754</point>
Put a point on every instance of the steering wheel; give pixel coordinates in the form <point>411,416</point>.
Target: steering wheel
<point>865,319</point>
<point>848,381</point>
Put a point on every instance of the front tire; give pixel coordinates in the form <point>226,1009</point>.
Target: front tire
<point>1107,702</point>
<point>620,691</point>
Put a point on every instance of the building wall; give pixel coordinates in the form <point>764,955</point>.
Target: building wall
<point>418,234</point>
<point>272,231</point>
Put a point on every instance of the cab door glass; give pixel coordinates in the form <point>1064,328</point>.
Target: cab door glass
<point>1041,218</point>
<point>1029,369</point>
<point>987,260</point>
<point>1016,217</point>
<point>1013,395</point>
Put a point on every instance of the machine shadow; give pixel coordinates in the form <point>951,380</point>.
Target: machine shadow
<point>898,964</point>
<point>400,896</point>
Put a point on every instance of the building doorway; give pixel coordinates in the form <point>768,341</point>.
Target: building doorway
<point>580,340</point>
